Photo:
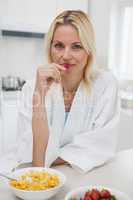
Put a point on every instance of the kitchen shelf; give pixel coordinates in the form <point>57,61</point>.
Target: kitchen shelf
<point>22,34</point>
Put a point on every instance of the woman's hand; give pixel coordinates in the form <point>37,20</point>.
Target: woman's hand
<point>46,75</point>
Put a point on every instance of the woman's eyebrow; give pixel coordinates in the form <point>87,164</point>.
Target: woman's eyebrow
<point>63,42</point>
<point>57,41</point>
<point>76,43</point>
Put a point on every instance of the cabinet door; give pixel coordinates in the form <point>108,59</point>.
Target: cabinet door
<point>28,15</point>
<point>1,137</point>
<point>72,5</point>
<point>41,13</point>
<point>9,113</point>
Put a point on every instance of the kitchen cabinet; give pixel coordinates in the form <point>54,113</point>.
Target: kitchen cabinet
<point>1,127</point>
<point>1,137</point>
<point>28,15</point>
<point>35,16</point>
<point>8,120</point>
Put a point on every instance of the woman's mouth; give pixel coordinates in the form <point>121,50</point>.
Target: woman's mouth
<point>67,65</point>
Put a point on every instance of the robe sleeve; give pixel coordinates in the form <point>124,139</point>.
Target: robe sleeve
<point>97,145</point>
<point>21,151</point>
<point>25,137</point>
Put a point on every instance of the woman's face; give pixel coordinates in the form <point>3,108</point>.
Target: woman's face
<point>67,50</point>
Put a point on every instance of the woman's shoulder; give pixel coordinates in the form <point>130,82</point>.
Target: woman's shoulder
<point>104,82</point>
<point>103,78</point>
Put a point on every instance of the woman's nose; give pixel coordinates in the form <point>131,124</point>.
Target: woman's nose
<point>67,54</point>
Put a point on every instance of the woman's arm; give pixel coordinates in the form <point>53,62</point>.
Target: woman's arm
<point>45,77</point>
<point>40,133</point>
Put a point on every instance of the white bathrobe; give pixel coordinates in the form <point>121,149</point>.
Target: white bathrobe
<point>89,136</point>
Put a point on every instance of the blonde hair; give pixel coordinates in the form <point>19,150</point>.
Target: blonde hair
<point>83,25</point>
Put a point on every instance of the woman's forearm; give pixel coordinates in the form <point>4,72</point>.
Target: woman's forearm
<point>40,131</point>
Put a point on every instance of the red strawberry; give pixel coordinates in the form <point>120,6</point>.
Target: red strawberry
<point>109,198</point>
<point>105,194</point>
<point>95,194</point>
<point>87,196</point>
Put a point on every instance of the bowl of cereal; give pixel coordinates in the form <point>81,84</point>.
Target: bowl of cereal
<point>36,183</point>
<point>96,193</point>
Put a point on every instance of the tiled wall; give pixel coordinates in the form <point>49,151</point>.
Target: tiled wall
<point>20,56</point>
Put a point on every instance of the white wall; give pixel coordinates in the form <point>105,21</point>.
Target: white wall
<point>99,12</point>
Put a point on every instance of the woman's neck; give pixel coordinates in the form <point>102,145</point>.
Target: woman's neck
<point>70,84</point>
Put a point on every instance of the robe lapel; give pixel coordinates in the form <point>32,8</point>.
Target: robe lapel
<point>76,118</point>
<point>62,133</point>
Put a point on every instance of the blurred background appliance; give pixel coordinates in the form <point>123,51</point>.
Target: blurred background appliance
<point>12,83</point>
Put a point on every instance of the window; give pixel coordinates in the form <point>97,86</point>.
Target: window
<point>121,40</point>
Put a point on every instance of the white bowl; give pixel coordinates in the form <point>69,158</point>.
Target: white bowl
<point>40,194</point>
<point>80,192</point>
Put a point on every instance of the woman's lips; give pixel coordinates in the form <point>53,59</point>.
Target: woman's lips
<point>67,65</point>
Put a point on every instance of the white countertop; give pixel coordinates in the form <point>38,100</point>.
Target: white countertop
<point>118,174</point>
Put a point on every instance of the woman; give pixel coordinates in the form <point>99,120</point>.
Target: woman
<point>75,110</point>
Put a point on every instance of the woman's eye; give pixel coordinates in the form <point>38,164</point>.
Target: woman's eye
<point>77,46</point>
<point>59,46</point>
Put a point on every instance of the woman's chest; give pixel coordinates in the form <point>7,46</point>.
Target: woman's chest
<point>68,100</point>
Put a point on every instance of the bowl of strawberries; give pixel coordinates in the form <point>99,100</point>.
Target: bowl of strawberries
<point>96,193</point>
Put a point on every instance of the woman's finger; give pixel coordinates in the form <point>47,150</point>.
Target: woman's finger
<point>60,67</point>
